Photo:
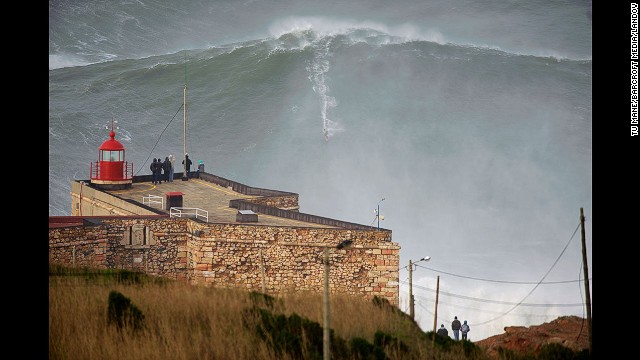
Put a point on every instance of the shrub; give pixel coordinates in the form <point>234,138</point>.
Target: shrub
<point>264,300</point>
<point>546,352</point>
<point>292,335</point>
<point>444,342</point>
<point>560,352</point>
<point>469,348</point>
<point>123,313</point>
<point>364,350</point>
<point>390,342</point>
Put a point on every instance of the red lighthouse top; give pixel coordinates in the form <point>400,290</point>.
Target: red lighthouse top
<point>112,143</point>
<point>111,170</point>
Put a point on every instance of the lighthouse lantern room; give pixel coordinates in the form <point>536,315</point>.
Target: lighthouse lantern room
<point>111,171</point>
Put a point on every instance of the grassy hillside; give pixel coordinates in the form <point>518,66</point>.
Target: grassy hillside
<point>115,314</point>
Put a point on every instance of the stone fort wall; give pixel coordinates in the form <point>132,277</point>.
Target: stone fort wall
<point>248,256</point>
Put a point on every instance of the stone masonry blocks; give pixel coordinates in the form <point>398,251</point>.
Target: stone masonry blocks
<point>237,255</point>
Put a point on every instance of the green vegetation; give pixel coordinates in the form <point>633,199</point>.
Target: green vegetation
<point>123,313</point>
<point>118,314</point>
<point>546,352</point>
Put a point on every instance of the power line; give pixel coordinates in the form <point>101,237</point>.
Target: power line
<point>500,281</point>
<point>406,308</point>
<point>443,320</point>
<point>497,301</point>
<point>482,310</point>
<point>541,280</point>
<point>489,280</point>
<point>521,302</point>
<point>491,300</point>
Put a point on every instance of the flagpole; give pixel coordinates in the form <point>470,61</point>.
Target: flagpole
<point>184,152</point>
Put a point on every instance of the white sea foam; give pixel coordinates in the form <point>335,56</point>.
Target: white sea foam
<point>375,33</point>
<point>57,61</point>
<point>324,26</point>
<point>317,69</point>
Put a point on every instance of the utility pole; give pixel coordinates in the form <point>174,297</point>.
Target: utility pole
<point>411,313</point>
<point>264,285</point>
<point>411,299</point>
<point>586,278</point>
<point>184,132</point>
<point>326,345</point>
<point>378,213</point>
<point>326,338</point>
<point>435,314</point>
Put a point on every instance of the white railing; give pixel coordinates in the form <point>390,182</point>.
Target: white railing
<point>182,211</point>
<point>153,199</point>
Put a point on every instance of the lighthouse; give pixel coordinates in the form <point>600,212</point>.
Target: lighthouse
<point>111,171</point>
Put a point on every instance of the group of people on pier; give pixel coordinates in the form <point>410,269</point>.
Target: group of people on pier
<point>164,170</point>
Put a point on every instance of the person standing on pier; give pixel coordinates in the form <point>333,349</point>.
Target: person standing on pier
<point>166,167</point>
<point>172,161</point>
<point>152,167</point>
<point>187,165</point>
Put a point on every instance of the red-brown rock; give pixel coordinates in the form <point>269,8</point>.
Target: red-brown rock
<point>569,331</point>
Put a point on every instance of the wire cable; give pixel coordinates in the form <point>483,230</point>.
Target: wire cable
<point>535,287</point>
<point>482,310</point>
<point>500,281</point>
<point>497,301</point>
<point>157,141</point>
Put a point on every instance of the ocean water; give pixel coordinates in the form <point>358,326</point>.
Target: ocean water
<point>471,119</point>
